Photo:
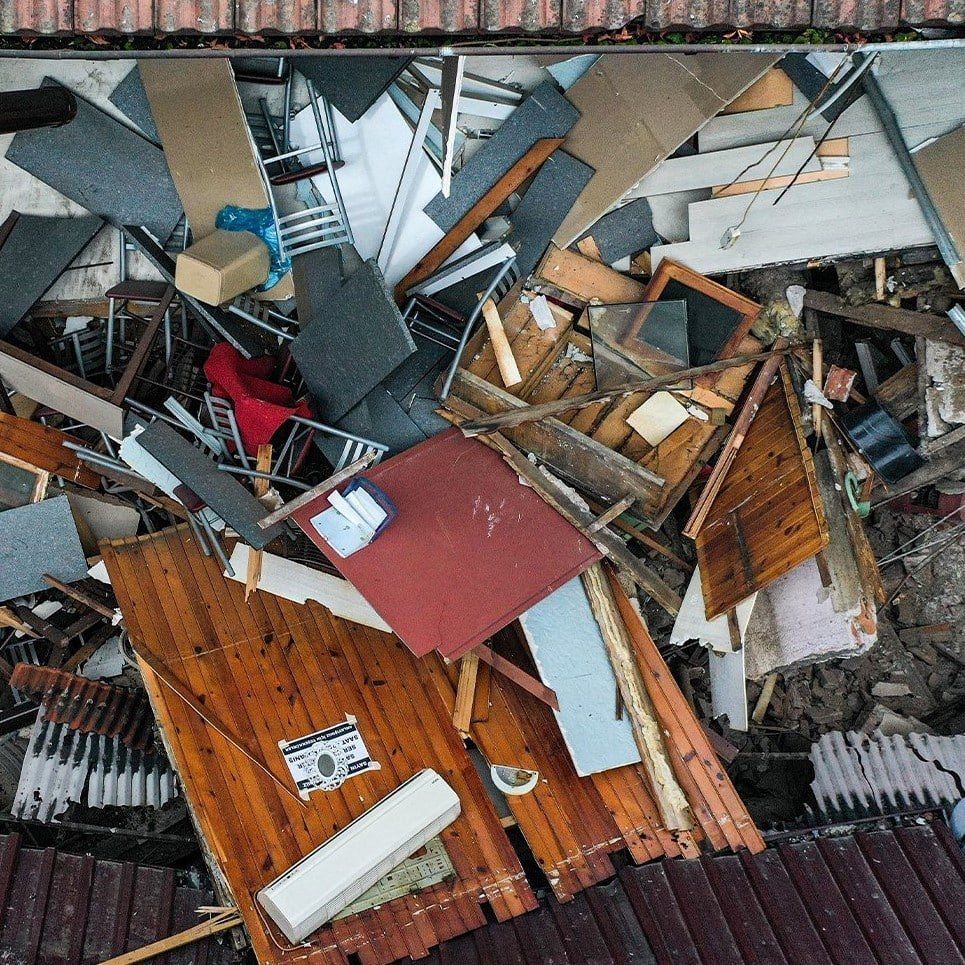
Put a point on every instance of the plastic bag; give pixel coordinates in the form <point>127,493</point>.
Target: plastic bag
<point>260,222</point>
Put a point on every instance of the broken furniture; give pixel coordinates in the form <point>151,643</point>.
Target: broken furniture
<point>91,404</point>
<point>454,496</point>
<point>214,488</point>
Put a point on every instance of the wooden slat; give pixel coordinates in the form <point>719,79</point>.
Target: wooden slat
<point>275,670</point>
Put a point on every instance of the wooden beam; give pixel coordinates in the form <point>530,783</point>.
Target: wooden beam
<point>571,454</point>
<point>478,213</point>
<point>253,572</point>
<point>336,479</point>
<point>465,692</point>
<point>141,351</point>
<point>886,318</point>
<point>604,519</point>
<point>764,700</point>
<point>734,442</point>
<point>562,500</point>
<point>227,918</point>
<point>670,798</point>
<point>81,596</point>
<point>534,413</point>
<point>505,360</point>
<point>517,675</point>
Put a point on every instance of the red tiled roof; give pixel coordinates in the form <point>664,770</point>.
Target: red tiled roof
<point>479,17</point>
<point>878,896</point>
<point>57,907</point>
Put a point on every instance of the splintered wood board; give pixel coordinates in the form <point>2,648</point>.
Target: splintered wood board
<point>767,517</point>
<point>273,670</point>
<point>558,362</point>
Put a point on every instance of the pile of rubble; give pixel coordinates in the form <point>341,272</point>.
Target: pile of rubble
<point>455,482</point>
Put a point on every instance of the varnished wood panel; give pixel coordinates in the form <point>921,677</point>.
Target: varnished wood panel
<point>43,447</point>
<point>274,670</point>
<point>767,517</point>
<point>573,824</point>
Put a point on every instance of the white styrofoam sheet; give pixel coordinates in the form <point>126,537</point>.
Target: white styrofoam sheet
<point>692,623</point>
<point>570,655</point>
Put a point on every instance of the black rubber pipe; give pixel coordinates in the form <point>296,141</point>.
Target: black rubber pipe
<point>25,110</point>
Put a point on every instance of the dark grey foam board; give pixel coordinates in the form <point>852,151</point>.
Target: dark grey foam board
<point>34,256</point>
<point>37,539</point>
<point>545,113</point>
<point>358,340</point>
<point>103,166</point>
<point>625,231</point>
<point>220,491</point>
<point>130,99</point>
<point>351,84</point>
<point>550,195</point>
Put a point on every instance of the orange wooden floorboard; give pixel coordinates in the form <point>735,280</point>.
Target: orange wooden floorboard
<point>274,670</point>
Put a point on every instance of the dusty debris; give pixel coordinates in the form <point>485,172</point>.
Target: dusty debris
<point>451,497</point>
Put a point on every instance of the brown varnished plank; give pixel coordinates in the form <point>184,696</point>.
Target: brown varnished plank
<point>291,670</point>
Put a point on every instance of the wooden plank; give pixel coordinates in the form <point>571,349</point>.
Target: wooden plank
<point>255,557</point>
<point>886,318</point>
<point>526,166</point>
<point>144,345</point>
<point>534,413</point>
<point>580,280</point>
<point>43,446</point>
<point>575,456</point>
<point>674,807</point>
<point>336,479</point>
<point>517,675</point>
<point>466,692</point>
<point>506,362</point>
<point>227,918</point>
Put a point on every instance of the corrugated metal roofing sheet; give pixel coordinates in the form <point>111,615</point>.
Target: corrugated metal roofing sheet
<point>64,766</point>
<point>883,896</point>
<point>57,907</point>
<point>857,776</point>
<point>461,16</point>
<point>87,705</point>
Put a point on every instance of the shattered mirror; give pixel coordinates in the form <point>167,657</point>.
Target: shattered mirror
<point>637,341</point>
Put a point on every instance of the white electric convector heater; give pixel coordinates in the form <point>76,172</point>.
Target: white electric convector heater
<point>318,887</point>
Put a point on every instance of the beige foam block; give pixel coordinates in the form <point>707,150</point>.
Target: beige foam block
<point>657,417</point>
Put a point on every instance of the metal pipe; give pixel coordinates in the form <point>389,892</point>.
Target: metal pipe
<point>257,474</point>
<point>27,110</point>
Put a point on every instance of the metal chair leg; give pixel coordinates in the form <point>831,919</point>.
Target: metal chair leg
<point>109,360</point>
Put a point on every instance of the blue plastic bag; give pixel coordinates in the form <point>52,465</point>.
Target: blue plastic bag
<point>260,222</point>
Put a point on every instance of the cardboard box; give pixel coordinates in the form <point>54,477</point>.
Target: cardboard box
<point>221,266</point>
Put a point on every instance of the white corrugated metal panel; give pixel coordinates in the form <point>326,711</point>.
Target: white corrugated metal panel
<point>64,766</point>
<point>856,775</point>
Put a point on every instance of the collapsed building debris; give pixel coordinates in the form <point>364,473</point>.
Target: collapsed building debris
<point>563,460</point>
